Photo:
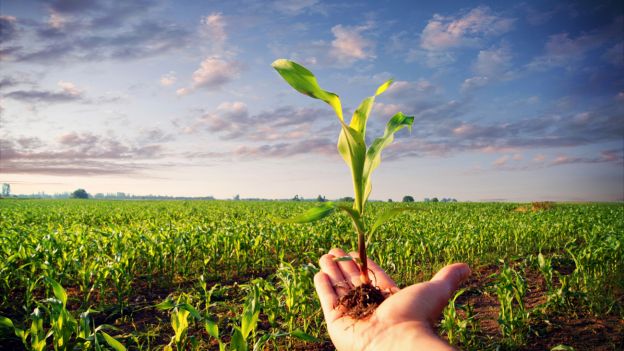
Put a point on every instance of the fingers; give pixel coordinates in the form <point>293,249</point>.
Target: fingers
<point>326,293</point>
<point>449,278</point>
<point>349,269</point>
<point>379,277</point>
<point>334,273</point>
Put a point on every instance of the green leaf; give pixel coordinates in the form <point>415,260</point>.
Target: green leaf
<point>373,155</point>
<point>387,215</point>
<point>343,258</point>
<point>112,342</point>
<point>6,322</point>
<point>355,217</point>
<point>299,334</point>
<point>191,310</point>
<point>561,347</point>
<point>238,343</point>
<point>212,328</point>
<point>352,148</point>
<point>58,290</point>
<point>165,305</point>
<point>302,80</point>
<point>360,116</point>
<point>249,322</point>
<point>314,214</point>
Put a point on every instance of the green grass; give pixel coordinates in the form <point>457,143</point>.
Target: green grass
<point>121,258</point>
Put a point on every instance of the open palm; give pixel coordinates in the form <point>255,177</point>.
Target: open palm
<point>404,321</point>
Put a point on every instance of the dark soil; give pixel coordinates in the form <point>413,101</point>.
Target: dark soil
<point>362,301</point>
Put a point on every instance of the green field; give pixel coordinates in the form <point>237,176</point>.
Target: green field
<point>227,265</point>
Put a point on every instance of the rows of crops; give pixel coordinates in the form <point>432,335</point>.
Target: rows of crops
<point>223,275</point>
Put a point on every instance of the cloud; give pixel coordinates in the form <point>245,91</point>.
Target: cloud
<point>606,156</point>
<point>168,79</point>
<point>349,45</point>
<point>471,84</point>
<point>288,149</point>
<point>232,121</point>
<point>68,93</point>
<point>431,59</point>
<point>75,154</point>
<point>564,50</point>
<point>297,7</point>
<point>501,161</point>
<point>8,82</point>
<point>96,31</point>
<point>493,63</point>
<point>213,26</point>
<point>8,28</point>
<point>441,133</point>
<point>213,73</point>
<point>442,33</point>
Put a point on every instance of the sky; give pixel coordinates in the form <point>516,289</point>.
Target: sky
<point>512,101</point>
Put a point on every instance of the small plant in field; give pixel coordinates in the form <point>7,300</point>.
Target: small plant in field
<point>513,318</point>
<point>362,161</point>
<point>66,332</point>
<point>458,330</point>
<point>181,310</point>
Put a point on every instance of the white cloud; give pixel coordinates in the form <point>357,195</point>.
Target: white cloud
<point>69,88</point>
<point>493,63</point>
<point>443,33</point>
<point>404,89</point>
<point>56,20</point>
<point>212,73</point>
<point>349,45</point>
<point>501,161</point>
<point>473,83</point>
<point>213,26</point>
<point>168,79</point>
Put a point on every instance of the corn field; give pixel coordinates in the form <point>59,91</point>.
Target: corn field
<point>225,275</point>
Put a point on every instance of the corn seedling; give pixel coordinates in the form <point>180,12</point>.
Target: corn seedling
<point>180,312</point>
<point>458,330</point>
<point>361,160</point>
<point>513,318</point>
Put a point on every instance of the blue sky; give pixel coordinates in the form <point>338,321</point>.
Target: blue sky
<point>515,101</point>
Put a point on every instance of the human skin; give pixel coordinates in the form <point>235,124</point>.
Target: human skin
<point>404,321</point>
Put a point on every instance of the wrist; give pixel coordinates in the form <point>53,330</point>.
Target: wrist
<point>408,336</point>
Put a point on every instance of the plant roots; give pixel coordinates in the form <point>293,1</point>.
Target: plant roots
<point>362,301</point>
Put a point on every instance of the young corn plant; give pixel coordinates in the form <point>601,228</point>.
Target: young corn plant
<point>180,313</point>
<point>360,158</point>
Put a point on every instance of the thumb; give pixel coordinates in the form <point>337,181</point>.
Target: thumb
<point>448,279</point>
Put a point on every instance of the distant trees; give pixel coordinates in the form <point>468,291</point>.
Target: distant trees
<point>320,198</point>
<point>444,199</point>
<point>79,194</point>
<point>408,198</point>
<point>389,200</point>
<point>236,197</point>
<point>6,190</point>
<point>346,199</point>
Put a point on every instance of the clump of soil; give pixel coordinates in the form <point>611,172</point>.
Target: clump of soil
<point>362,301</point>
<point>536,207</point>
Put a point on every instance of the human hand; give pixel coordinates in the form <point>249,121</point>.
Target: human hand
<point>404,321</point>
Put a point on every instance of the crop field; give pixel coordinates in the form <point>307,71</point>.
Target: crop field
<point>224,275</point>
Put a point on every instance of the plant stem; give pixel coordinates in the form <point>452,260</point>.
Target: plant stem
<point>363,260</point>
